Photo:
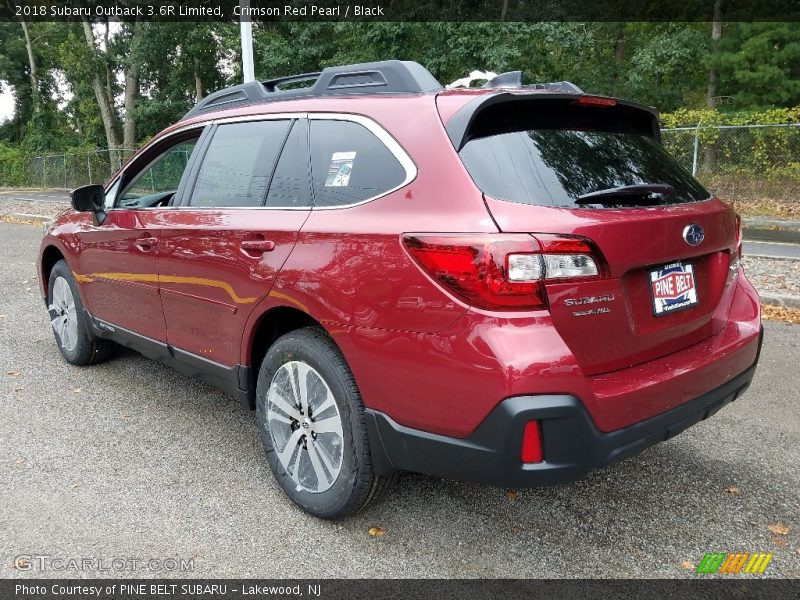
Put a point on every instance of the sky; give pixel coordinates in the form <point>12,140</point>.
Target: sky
<point>6,104</point>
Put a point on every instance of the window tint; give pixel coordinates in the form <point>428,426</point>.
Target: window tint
<point>155,185</point>
<point>238,164</point>
<point>289,186</point>
<point>349,164</point>
<point>555,159</point>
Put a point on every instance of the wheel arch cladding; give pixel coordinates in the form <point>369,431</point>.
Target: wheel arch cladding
<point>271,325</point>
<point>50,256</point>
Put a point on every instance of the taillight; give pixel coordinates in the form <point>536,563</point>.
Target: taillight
<point>739,235</point>
<point>503,271</point>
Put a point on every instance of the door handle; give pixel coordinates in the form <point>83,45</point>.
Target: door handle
<point>257,245</point>
<point>146,243</point>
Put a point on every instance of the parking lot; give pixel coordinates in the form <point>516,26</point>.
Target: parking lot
<point>131,460</point>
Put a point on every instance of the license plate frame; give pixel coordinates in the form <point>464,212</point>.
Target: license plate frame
<point>673,294</point>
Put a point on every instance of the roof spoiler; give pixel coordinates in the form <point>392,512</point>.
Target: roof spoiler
<point>459,125</point>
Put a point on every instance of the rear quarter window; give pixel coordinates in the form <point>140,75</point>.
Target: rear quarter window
<point>349,164</point>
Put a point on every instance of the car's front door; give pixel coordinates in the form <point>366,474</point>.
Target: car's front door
<point>222,248</point>
<point>119,257</point>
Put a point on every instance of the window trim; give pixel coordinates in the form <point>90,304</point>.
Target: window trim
<point>377,130</point>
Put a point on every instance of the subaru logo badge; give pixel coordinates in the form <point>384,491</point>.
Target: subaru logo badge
<point>693,234</point>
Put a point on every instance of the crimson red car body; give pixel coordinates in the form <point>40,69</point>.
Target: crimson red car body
<point>425,359</point>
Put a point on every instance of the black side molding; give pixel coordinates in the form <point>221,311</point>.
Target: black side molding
<point>235,381</point>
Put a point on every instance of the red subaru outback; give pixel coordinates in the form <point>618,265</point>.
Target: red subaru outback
<point>512,285</point>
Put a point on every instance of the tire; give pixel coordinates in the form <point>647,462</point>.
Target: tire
<point>73,335</point>
<point>316,445</point>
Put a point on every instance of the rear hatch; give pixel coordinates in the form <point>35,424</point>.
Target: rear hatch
<point>594,167</point>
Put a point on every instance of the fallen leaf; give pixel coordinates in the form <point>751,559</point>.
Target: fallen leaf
<point>517,529</point>
<point>13,373</point>
<point>512,495</point>
<point>778,529</point>
<point>687,564</point>
<point>19,461</point>
<point>376,531</point>
<point>78,390</point>
<point>778,540</point>
<point>732,490</point>
<point>73,485</point>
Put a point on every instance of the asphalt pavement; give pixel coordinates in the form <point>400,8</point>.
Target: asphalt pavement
<point>772,250</point>
<point>131,460</point>
<point>36,196</point>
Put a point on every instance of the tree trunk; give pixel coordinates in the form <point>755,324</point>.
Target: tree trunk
<point>710,152</point>
<point>198,82</point>
<point>32,66</point>
<point>619,57</point>
<point>100,93</point>
<point>131,95</point>
<point>716,34</point>
<point>503,9</point>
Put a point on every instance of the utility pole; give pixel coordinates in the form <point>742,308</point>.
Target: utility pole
<point>247,42</point>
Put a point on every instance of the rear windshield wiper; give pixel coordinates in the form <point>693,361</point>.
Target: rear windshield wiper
<point>634,191</point>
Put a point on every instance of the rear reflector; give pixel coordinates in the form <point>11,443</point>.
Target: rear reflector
<point>532,443</point>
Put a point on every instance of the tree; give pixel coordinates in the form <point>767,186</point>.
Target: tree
<point>103,95</point>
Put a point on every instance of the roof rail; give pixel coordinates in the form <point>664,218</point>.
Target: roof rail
<point>384,77</point>
<point>513,79</point>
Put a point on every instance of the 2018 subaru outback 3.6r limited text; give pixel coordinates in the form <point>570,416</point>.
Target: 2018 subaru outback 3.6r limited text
<point>512,285</point>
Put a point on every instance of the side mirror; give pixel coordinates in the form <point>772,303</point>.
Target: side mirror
<point>90,198</point>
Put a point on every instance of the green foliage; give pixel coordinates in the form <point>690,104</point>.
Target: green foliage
<point>660,64</point>
<point>771,153</point>
<point>13,166</point>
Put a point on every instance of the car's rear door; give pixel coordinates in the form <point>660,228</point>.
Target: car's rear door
<point>235,227</point>
<point>119,257</point>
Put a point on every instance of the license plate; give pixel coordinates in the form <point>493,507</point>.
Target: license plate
<point>672,287</point>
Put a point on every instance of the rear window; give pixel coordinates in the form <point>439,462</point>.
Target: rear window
<point>554,157</point>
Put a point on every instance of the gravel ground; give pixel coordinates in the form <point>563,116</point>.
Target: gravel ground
<point>130,459</point>
<point>775,275</point>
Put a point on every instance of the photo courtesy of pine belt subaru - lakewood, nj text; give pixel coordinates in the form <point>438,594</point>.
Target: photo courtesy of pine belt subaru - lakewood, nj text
<point>513,284</point>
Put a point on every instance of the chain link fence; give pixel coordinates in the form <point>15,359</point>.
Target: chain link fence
<point>66,171</point>
<point>754,165</point>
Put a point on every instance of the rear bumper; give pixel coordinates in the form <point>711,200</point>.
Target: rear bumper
<point>572,444</point>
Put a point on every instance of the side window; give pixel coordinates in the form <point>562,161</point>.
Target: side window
<point>238,163</point>
<point>158,182</point>
<point>349,164</point>
<point>289,186</point>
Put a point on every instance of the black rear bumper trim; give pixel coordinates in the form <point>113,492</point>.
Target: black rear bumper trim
<point>572,444</point>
